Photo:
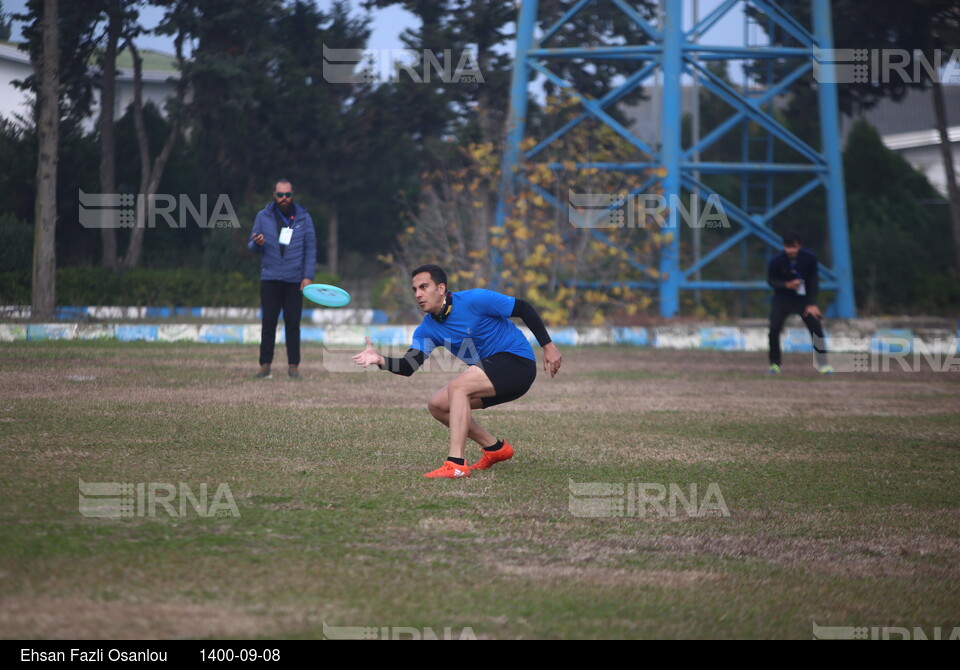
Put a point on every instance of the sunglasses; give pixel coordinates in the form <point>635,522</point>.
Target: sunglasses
<point>288,194</point>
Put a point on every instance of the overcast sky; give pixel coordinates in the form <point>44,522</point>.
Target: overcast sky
<point>389,23</point>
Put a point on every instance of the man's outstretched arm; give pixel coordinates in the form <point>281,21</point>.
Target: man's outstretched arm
<point>405,366</point>
<point>551,355</point>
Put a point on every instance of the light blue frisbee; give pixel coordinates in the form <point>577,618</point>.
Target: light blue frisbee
<point>327,295</point>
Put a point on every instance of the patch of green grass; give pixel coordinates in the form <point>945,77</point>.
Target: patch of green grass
<point>836,517</point>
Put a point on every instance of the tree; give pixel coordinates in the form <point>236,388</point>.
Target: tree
<point>77,31</point>
<point>4,25</point>
<point>919,28</point>
<point>543,258</point>
<point>120,31</point>
<point>151,171</point>
<point>98,31</point>
<point>121,16</point>
<point>943,33</point>
<point>46,63</point>
<point>263,108</point>
<point>477,110</point>
<point>232,72</point>
<point>474,113</point>
<point>320,128</point>
<point>900,262</point>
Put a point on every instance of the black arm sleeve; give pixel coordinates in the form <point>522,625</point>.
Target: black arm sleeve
<point>772,278</point>
<point>406,366</point>
<point>813,282</point>
<point>532,320</point>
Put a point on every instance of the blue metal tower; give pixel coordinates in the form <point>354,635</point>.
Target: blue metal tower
<point>673,169</point>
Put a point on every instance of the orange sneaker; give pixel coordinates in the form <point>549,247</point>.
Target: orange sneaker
<point>504,453</point>
<point>450,470</point>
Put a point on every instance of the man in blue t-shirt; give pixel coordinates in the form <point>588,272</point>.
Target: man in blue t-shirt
<point>475,327</point>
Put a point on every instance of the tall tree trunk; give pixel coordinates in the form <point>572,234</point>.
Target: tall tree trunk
<point>489,119</point>
<point>48,133</point>
<point>940,109</point>
<point>333,242</point>
<point>108,154</point>
<point>150,175</point>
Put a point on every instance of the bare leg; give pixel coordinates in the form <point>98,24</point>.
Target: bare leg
<point>439,407</point>
<point>463,394</point>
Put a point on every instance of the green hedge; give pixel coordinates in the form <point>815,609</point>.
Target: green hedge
<point>16,251</point>
<point>176,288</point>
<point>15,287</point>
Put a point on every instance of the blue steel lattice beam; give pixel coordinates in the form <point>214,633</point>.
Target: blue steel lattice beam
<point>830,141</point>
<point>678,53</point>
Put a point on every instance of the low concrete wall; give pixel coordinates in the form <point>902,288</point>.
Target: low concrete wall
<point>861,335</point>
<point>346,315</point>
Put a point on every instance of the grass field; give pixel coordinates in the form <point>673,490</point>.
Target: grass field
<point>842,492</point>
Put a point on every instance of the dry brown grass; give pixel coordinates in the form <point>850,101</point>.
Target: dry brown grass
<point>841,489</point>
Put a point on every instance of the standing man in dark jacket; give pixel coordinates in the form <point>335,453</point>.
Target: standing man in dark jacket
<point>284,236</point>
<point>793,276</point>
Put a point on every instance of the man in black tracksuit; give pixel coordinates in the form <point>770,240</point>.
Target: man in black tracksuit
<point>793,276</point>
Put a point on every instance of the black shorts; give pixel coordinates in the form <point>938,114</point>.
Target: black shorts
<point>511,376</point>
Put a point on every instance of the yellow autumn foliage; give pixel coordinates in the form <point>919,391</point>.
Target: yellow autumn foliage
<point>536,253</point>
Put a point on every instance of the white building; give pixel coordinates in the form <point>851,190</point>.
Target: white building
<point>158,83</point>
<point>908,127</point>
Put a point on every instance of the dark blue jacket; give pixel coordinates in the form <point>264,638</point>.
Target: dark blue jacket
<point>781,270</point>
<point>299,259</point>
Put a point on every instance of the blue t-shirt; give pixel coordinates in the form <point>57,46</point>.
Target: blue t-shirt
<point>478,326</point>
